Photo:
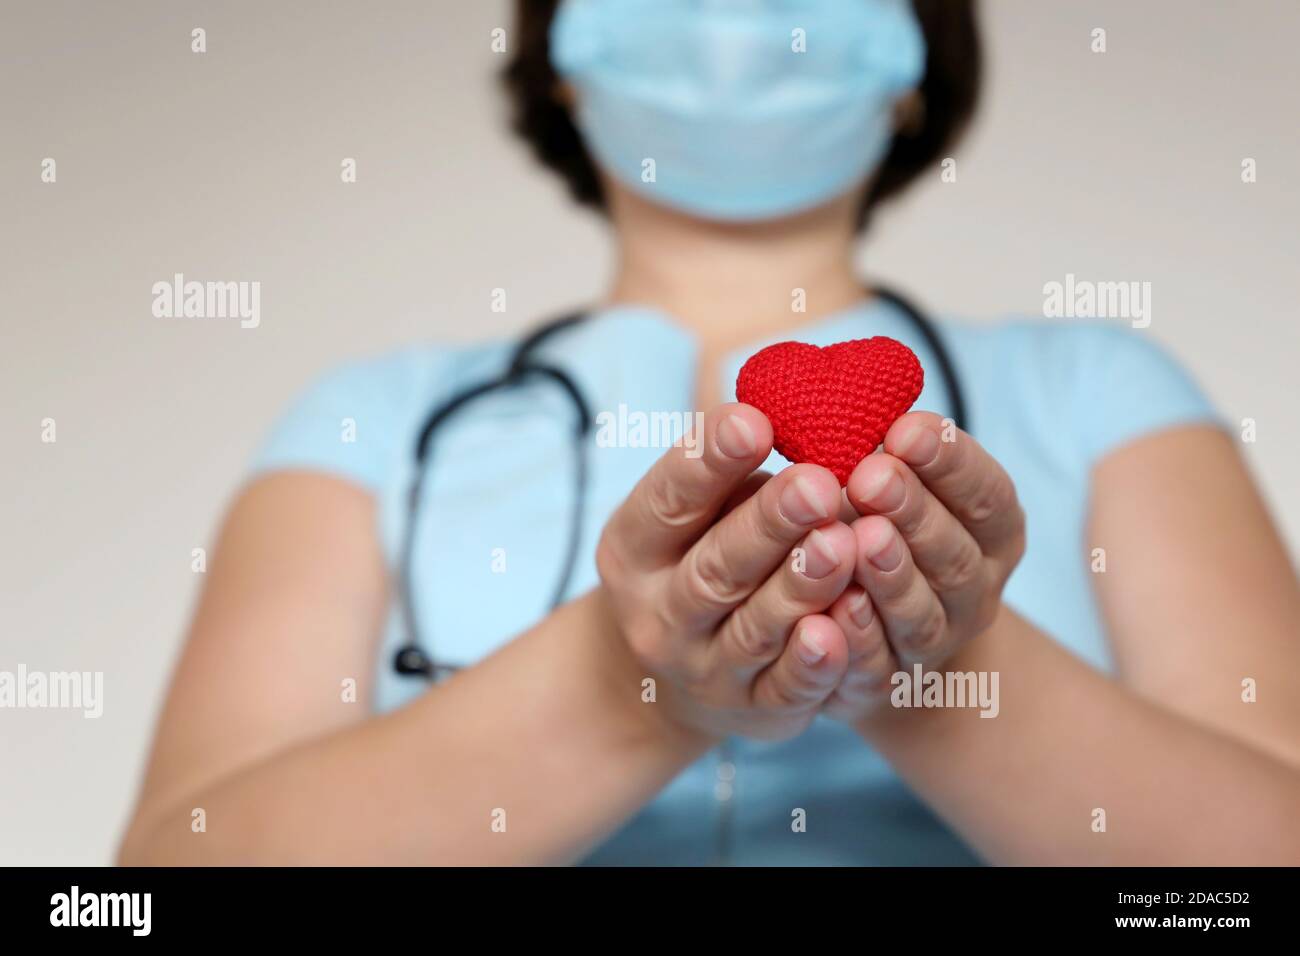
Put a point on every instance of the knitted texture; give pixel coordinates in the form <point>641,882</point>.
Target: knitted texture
<point>831,406</point>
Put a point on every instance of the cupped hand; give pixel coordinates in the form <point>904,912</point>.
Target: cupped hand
<point>941,531</point>
<point>718,575</point>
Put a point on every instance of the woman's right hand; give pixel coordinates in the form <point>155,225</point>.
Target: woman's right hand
<point>717,577</point>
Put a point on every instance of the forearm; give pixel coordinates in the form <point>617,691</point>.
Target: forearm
<point>1024,787</point>
<point>529,757</point>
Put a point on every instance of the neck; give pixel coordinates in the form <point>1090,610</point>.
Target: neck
<point>730,283</point>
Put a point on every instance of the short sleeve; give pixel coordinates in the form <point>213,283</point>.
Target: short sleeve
<point>1127,385</point>
<point>347,423</point>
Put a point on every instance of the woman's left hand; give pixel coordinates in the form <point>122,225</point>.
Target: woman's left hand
<point>942,530</point>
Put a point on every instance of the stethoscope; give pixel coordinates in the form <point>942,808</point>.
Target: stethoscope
<point>411,659</point>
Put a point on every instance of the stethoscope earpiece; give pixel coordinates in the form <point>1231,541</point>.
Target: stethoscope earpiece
<point>411,661</point>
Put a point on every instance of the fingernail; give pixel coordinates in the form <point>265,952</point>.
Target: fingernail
<point>800,504</point>
<point>887,554</point>
<point>809,648</point>
<point>820,558</point>
<point>920,446</point>
<point>860,610</point>
<point>886,491</point>
<point>735,438</point>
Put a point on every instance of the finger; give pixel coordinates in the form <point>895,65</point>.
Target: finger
<point>678,498</point>
<point>812,577</point>
<point>912,615</point>
<point>872,662</point>
<point>809,668</point>
<point>961,474</point>
<point>847,513</point>
<point>944,551</point>
<point>748,488</point>
<point>738,554</point>
<point>869,649</point>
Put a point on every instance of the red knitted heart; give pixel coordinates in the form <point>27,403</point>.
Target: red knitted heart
<point>831,406</point>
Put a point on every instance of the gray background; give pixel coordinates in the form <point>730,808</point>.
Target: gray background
<point>225,166</point>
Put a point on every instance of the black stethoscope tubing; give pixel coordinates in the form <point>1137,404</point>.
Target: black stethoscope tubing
<point>411,659</point>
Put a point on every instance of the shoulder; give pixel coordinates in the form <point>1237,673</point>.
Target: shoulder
<point>354,420</point>
<point>1056,343</point>
<point>1097,385</point>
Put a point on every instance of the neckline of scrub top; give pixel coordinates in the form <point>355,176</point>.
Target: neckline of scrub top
<point>616,325</point>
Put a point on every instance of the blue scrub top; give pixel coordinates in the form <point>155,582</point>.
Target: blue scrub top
<point>1048,400</point>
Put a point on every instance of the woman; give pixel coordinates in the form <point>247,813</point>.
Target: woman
<point>717,682</point>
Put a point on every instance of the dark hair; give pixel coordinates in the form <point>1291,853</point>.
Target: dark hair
<point>949,93</point>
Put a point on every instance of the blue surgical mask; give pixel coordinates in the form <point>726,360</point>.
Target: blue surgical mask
<point>738,109</point>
